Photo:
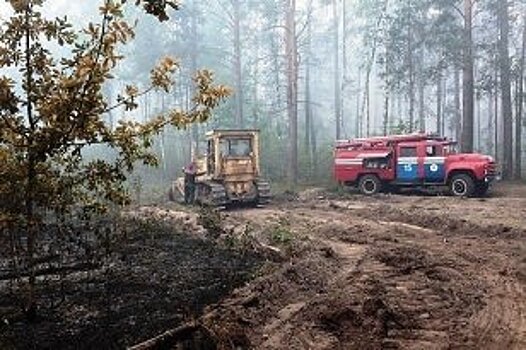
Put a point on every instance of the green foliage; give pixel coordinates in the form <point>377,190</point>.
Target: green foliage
<point>54,113</point>
<point>281,235</point>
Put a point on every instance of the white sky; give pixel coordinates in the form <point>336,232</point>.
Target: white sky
<point>78,11</point>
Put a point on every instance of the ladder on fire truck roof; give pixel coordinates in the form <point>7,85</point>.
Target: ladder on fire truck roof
<point>389,139</point>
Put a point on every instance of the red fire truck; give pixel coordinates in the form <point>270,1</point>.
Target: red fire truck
<point>389,163</point>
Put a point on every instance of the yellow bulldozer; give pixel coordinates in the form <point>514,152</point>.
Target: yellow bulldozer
<point>228,172</point>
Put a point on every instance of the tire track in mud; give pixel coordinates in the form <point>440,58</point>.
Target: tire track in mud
<point>501,323</point>
<point>420,271</point>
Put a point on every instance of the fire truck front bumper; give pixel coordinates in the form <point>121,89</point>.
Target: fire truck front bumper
<point>490,177</point>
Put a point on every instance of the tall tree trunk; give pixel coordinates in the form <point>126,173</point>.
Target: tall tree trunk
<point>458,113</point>
<point>399,106</point>
<point>421,105</point>
<point>496,111</point>
<point>311,127</point>
<point>467,81</point>
<point>345,61</point>
<point>478,122</point>
<point>291,52</point>
<point>277,104</point>
<point>337,73</point>
<point>505,84</point>
<point>366,105</point>
<point>237,64</point>
<point>421,92</point>
<point>386,93</point>
<point>410,62</point>
<point>314,141</point>
<point>193,67</point>
<point>255,100</point>
<point>358,120</point>
<point>440,130</point>
<point>520,108</point>
<point>370,62</point>
<point>308,107</point>
<point>489,127</point>
<point>308,116</point>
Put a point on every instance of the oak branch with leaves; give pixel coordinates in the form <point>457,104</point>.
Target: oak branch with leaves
<point>54,107</point>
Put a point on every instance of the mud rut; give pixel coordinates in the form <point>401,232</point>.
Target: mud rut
<point>394,272</point>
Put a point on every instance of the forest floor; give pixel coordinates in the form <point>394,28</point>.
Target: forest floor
<point>314,270</point>
<point>393,271</point>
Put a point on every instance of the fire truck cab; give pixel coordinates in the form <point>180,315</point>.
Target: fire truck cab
<point>392,162</point>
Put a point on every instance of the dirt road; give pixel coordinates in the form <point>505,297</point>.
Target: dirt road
<point>407,272</point>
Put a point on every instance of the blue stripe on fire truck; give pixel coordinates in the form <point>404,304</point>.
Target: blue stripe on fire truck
<point>434,169</point>
<point>407,169</point>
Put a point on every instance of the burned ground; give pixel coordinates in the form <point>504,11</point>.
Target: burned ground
<point>342,271</point>
<point>155,279</point>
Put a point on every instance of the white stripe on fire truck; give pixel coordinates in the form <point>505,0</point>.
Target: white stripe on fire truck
<point>434,160</point>
<point>408,160</point>
<point>373,155</point>
<point>342,161</point>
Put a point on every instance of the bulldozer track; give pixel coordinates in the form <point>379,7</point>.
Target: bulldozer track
<point>211,194</point>
<point>264,194</point>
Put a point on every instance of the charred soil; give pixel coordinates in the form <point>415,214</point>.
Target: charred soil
<point>155,279</point>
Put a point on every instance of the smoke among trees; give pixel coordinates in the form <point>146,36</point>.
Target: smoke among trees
<point>309,72</point>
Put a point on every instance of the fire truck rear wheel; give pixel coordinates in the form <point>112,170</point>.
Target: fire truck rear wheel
<point>462,185</point>
<point>369,185</point>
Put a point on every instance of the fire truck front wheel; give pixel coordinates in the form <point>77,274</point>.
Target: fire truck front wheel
<point>462,185</point>
<point>369,185</point>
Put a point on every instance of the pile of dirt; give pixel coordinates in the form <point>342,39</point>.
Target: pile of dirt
<point>181,220</point>
<point>310,194</point>
<point>447,225</point>
<point>247,317</point>
<point>392,298</point>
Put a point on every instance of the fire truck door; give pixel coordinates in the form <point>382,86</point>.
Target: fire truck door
<point>407,164</point>
<point>434,164</point>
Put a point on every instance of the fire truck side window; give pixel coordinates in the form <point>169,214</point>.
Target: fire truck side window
<point>376,163</point>
<point>432,151</point>
<point>408,152</point>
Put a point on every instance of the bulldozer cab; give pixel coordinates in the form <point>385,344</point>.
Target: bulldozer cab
<point>231,155</point>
